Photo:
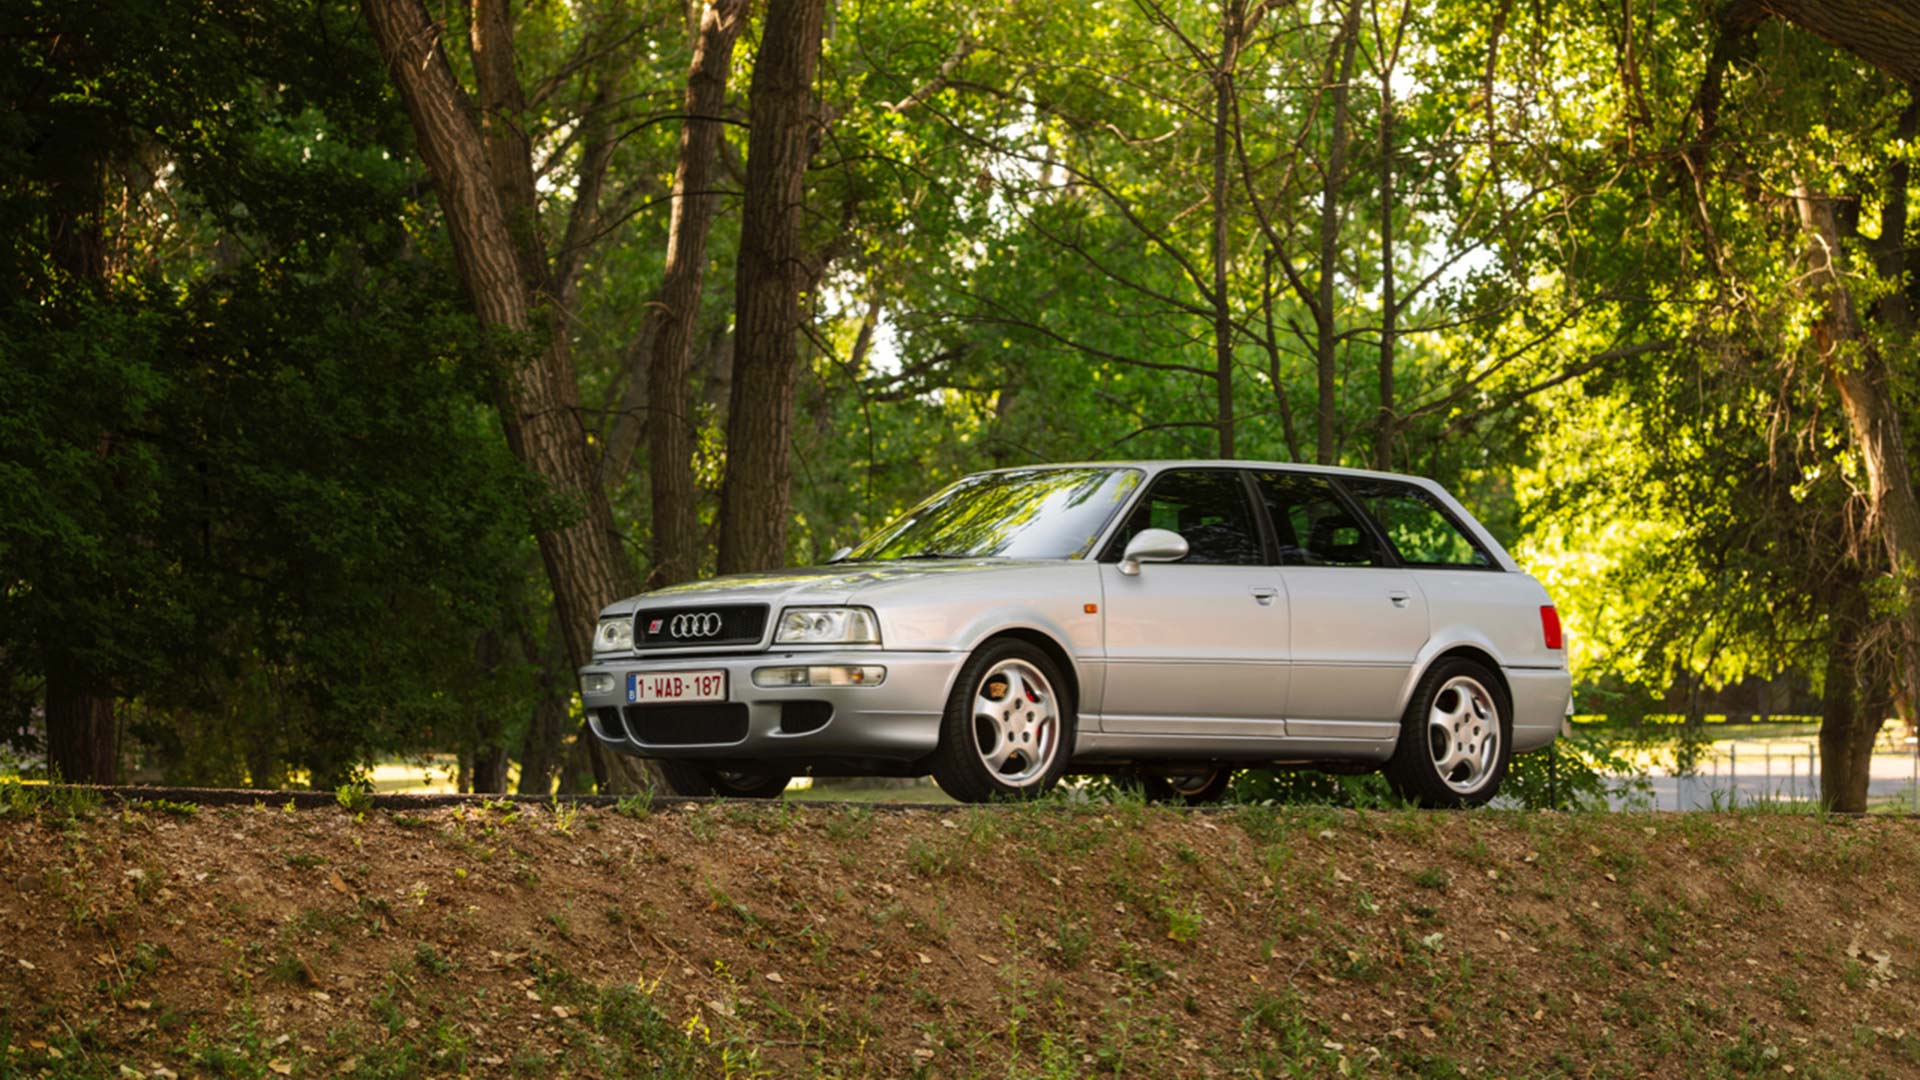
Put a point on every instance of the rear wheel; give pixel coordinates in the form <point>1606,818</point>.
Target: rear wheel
<point>748,780</point>
<point>1198,789</point>
<point>1008,727</point>
<point>1455,739</point>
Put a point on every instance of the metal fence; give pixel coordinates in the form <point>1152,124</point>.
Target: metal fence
<point>1742,772</point>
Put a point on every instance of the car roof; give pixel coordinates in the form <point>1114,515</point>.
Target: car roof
<point>1161,465</point>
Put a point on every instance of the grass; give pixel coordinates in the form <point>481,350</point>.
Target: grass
<point>925,791</point>
<point>1057,941</point>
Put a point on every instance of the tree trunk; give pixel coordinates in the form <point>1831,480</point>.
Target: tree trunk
<point>1849,719</point>
<point>1383,421</point>
<point>1885,33</point>
<point>1230,18</point>
<point>83,745</point>
<point>1859,372</point>
<point>670,430</point>
<point>1326,339</point>
<point>539,399</point>
<point>82,741</point>
<point>489,765</point>
<point>770,274</point>
<point>543,748</point>
<point>1895,309</point>
<point>503,268</point>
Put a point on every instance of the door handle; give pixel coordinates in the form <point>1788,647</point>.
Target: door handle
<point>1265,596</point>
<point>1399,598</point>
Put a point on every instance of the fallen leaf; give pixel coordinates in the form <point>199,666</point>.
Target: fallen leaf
<point>925,959</point>
<point>281,1066</point>
<point>774,977</point>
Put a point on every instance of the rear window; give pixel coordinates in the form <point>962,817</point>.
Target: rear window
<point>1417,526</point>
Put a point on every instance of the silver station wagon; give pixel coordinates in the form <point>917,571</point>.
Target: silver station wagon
<point>1167,621</point>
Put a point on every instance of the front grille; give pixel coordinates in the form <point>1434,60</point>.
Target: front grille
<point>711,624</point>
<point>683,725</point>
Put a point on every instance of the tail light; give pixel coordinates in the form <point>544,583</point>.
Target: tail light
<point>1550,626</point>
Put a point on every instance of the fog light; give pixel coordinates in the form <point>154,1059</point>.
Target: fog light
<point>596,684</point>
<point>820,675</point>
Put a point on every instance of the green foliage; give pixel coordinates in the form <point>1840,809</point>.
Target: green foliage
<point>253,487</point>
<point>354,798</point>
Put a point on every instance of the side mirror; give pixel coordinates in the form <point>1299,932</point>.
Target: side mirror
<point>1152,545</point>
<point>841,554</point>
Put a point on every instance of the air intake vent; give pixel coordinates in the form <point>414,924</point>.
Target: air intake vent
<point>801,717</point>
<point>687,725</point>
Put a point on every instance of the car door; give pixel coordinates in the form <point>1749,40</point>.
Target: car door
<point>1359,621</point>
<point>1468,593</point>
<point>1195,647</point>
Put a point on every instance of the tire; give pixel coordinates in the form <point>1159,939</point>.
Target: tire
<point>1199,790</point>
<point>1028,725</point>
<point>696,778</point>
<point>1443,758</point>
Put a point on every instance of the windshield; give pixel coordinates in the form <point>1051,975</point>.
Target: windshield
<point>1024,514</point>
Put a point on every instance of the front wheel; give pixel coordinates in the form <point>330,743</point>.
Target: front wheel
<point>1008,727</point>
<point>696,778</point>
<point>1455,739</point>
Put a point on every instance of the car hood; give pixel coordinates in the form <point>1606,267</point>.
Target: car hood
<point>839,583</point>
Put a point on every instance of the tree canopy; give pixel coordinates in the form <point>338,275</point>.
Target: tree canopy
<point>284,487</point>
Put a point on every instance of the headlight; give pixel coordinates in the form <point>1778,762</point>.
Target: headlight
<point>614,635</point>
<point>828,626</point>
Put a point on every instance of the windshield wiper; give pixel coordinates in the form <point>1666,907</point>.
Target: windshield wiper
<point>933,555</point>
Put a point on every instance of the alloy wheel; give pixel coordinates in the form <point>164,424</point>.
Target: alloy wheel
<point>1463,734</point>
<point>1016,723</point>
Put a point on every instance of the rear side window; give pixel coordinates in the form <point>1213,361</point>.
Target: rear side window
<point>1314,525</point>
<point>1207,507</point>
<point>1413,521</point>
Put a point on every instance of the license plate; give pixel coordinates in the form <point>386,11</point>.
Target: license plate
<point>647,687</point>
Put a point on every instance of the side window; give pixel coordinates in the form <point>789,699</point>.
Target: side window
<point>1415,524</point>
<point>1313,522</point>
<point>1208,507</point>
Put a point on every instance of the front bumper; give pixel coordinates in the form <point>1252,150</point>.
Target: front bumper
<point>897,720</point>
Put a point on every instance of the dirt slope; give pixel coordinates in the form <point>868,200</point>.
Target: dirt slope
<point>790,940</point>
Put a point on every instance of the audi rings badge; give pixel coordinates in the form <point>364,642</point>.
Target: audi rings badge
<point>694,624</point>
